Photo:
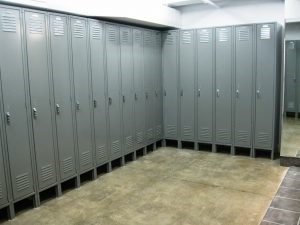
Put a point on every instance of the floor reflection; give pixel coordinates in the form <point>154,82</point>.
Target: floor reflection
<point>290,142</point>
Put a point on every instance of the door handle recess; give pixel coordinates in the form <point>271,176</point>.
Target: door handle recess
<point>237,93</point>
<point>156,94</point>
<point>165,93</point>
<point>77,105</point>
<point>7,118</point>
<point>123,98</point>
<point>95,103</point>
<point>109,100</point>
<point>258,93</point>
<point>135,96</point>
<point>181,93</point>
<point>199,92</point>
<point>34,110</point>
<point>146,94</point>
<point>218,93</point>
<point>57,109</point>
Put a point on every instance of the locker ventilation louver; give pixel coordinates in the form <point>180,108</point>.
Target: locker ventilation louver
<point>204,133</point>
<point>97,31</point>
<point>158,39</point>
<point>171,130</point>
<point>223,35</point>
<point>9,22</point>
<point>139,137</point>
<point>129,142</point>
<point>86,158</point>
<point>67,165</point>
<point>138,37</point>
<point>125,36</point>
<point>204,36</point>
<point>148,38</point>
<point>47,172</point>
<point>243,34</point>
<point>223,135</point>
<point>78,28</point>
<point>186,37</point>
<point>35,24</point>
<point>170,39</point>
<point>187,131</point>
<point>1,191</point>
<point>58,26</point>
<point>150,134</point>
<point>116,147</point>
<point>264,139</point>
<point>158,131</point>
<point>265,32</point>
<point>291,45</point>
<point>112,34</point>
<point>101,152</point>
<point>22,182</point>
<point>242,136</point>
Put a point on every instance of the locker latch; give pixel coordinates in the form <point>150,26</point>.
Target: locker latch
<point>34,110</point>
<point>109,100</point>
<point>258,93</point>
<point>181,93</point>
<point>95,103</point>
<point>57,109</point>
<point>135,96</point>
<point>8,118</point>
<point>165,93</point>
<point>218,92</point>
<point>199,92</point>
<point>156,94</point>
<point>237,93</point>
<point>77,105</point>
<point>123,98</point>
<point>146,94</point>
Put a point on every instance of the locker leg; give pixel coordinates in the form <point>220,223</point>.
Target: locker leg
<point>154,146</point>
<point>164,144</point>
<point>179,144</point>
<point>134,156</point>
<point>122,161</point>
<point>214,148</point>
<point>273,154</point>
<point>232,150</point>
<point>11,211</point>
<point>77,184</point>
<point>145,151</point>
<point>36,200</point>
<point>109,167</point>
<point>196,146</point>
<point>254,153</point>
<point>58,190</point>
<point>94,174</point>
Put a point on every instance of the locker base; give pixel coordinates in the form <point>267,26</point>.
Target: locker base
<point>244,151</point>
<point>189,145</point>
<point>11,211</point>
<point>144,151</point>
<point>7,212</point>
<point>264,153</point>
<point>130,157</point>
<point>164,144</point>
<point>224,148</point>
<point>207,147</point>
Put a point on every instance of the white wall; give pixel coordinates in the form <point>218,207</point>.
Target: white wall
<point>292,10</point>
<point>235,12</point>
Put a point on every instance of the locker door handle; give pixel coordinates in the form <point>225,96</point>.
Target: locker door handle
<point>77,105</point>
<point>135,96</point>
<point>237,93</point>
<point>146,95</point>
<point>123,98</point>
<point>57,109</point>
<point>109,100</point>
<point>199,92</point>
<point>218,93</point>
<point>165,93</point>
<point>34,110</point>
<point>8,118</point>
<point>156,94</point>
<point>258,93</point>
<point>95,103</point>
<point>181,93</point>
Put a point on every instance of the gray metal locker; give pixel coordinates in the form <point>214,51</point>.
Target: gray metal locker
<point>99,84</point>
<point>14,102</point>
<point>187,85</point>
<point>158,86</point>
<point>170,84</point>
<point>3,183</point>
<point>82,87</point>
<point>149,84</point>
<point>127,88</point>
<point>205,89</point>
<point>61,75</point>
<point>265,86</point>
<point>114,88</point>
<point>290,97</point>
<point>139,91</point>
<point>224,85</point>
<point>42,118</point>
<point>243,85</point>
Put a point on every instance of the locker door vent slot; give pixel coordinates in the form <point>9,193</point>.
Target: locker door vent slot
<point>223,35</point>
<point>67,165</point>
<point>204,36</point>
<point>112,34</point>
<point>22,182</point>
<point>158,39</point>
<point>86,158</point>
<point>204,133</point>
<point>242,136</point>
<point>116,147</point>
<point>139,137</point>
<point>78,29</point>
<point>47,172</point>
<point>1,191</point>
<point>138,36</point>
<point>291,45</point>
<point>186,37</point>
<point>264,138</point>
<point>125,36</point>
<point>150,134</point>
<point>9,22</point>
<point>129,142</point>
<point>223,135</point>
<point>148,38</point>
<point>97,31</point>
<point>58,26</point>
<point>243,34</point>
<point>171,130</point>
<point>170,40</point>
<point>187,131</point>
<point>158,131</point>
<point>265,32</point>
<point>101,152</point>
<point>35,24</point>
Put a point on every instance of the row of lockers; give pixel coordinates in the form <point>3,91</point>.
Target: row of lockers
<point>221,85</point>
<point>292,77</point>
<point>76,93</point>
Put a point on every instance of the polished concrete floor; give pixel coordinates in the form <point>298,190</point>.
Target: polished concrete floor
<point>290,140</point>
<point>169,187</point>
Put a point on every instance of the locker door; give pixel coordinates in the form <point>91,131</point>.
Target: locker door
<point>114,87</point>
<point>243,85</point>
<point>61,74</point>
<point>265,85</point>
<point>170,84</point>
<point>3,187</point>
<point>290,76</point>
<point>99,90</point>
<point>158,86</point>
<point>205,84</point>
<point>127,88</point>
<point>38,69</point>
<point>223,85</point>
<point>139,91</point>
<point>148,81</point>
<point>82,93</point>
<point>187,83</point>
<point>14,102</point>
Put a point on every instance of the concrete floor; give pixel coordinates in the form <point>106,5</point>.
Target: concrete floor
<point>169,187</point>
<point>290,141</point>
